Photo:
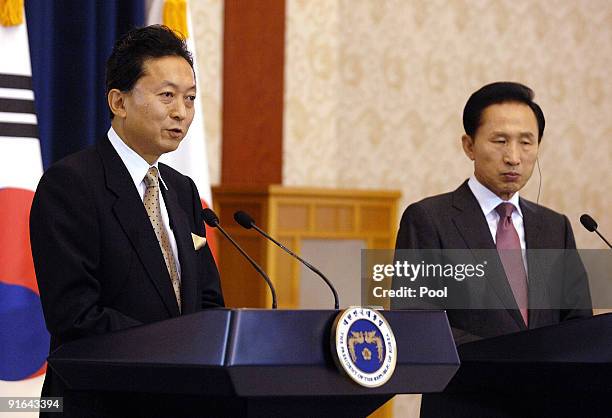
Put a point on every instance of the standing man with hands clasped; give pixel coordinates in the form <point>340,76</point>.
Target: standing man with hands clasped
<point>111,228</point>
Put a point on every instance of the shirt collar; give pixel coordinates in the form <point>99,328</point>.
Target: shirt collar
<point>488,200</point>
<point>135,164</point>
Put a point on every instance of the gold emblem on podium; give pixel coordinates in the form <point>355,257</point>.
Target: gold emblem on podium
<point>364,346</point>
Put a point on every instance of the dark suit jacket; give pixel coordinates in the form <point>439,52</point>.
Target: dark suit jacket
<point>455,221</point>
<point>98,262</point>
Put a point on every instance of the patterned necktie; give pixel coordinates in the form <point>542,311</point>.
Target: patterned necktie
<point>151,203</point>
<point>509,249</point>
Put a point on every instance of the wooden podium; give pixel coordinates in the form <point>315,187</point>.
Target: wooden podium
<point>292,214</point>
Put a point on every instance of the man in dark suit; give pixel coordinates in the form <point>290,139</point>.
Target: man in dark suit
<point>503,129</point>
<point>117,237</point>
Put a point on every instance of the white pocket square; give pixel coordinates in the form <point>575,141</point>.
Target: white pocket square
<point>198,241</point>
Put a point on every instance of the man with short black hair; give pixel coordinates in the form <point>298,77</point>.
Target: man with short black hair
<point>111,228</point>
<point>503,129</point>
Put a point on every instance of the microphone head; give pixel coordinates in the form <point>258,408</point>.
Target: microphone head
<point>588,222</point>
<point>210,217</point>
<point>244,219</point>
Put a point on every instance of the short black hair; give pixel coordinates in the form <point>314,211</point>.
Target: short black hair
<point>125,64</point>
<point>496,93</point>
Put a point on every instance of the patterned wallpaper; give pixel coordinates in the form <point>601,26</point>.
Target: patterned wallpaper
<point>375,90</point>
<point>207,19</point>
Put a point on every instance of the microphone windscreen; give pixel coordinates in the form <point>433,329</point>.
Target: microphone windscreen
<point>210,217</point>
<point>244,219</point>
<point>588,222</point>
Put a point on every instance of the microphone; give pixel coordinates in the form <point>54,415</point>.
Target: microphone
<point>212,220</point>
<point>591,226</point>
<point>245,221</point>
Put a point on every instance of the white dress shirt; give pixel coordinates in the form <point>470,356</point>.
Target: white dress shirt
<point>138,167</point>
<point>488,201</point>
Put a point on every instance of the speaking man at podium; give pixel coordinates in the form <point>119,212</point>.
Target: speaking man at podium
<point>503,129</point>
<point>117,237</point>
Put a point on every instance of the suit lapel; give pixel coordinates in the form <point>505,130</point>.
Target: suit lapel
<point>473,228</point>
<point>470,221</point>
<point>535,269</point>
<point>186,253</point>
<point>133,218</point>
<point>531,223</point>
